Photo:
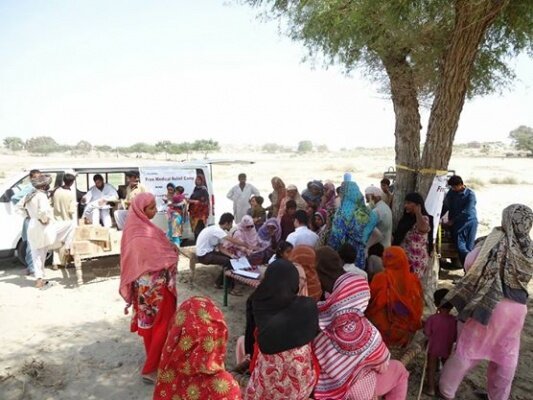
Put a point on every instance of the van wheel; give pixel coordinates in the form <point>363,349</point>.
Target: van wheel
<point>21,252</point>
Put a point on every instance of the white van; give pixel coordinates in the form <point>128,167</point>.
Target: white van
<point>154,176</point>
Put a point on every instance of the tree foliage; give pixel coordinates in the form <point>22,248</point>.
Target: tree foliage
<point>305,146</point>
<point>522,138</point>
<point>13,143</point>
<point>83,147</point>
<point>275,148</point>
<point>43,145</point>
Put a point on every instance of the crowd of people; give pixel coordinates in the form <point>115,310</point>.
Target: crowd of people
<point>341,290</point>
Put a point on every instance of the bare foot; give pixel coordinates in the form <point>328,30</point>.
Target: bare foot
<point>40,283</point>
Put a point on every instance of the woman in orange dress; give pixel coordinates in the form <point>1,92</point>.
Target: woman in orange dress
<point>397,301</point>
<point>192,364</point>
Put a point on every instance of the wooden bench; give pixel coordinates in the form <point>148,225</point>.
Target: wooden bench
<point>190,253</point>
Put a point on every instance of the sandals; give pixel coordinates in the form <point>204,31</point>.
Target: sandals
<point>149,379</point>
<point>236,293</point>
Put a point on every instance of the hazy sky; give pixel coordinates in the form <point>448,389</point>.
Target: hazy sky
<point>120,71</point>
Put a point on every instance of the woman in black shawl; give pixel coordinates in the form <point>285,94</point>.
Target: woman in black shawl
<point>283,325</point>
<point>415,234</point>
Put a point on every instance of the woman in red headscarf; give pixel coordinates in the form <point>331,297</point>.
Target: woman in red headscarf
<point>147,278</point>
<point>397,301</point>
<point>192,364</point>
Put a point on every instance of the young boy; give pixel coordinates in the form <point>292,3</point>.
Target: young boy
<point>287,220</point>
<point>441,331</point>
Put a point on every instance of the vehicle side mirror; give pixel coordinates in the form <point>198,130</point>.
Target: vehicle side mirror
<point>6,197</point>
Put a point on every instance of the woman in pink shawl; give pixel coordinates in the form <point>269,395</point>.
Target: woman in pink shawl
<point>246,233</point>
<point>147,279</point>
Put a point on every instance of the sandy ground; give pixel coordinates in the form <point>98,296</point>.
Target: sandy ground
<point>73,342</point>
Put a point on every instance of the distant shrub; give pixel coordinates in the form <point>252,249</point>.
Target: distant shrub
<point>508,180</point>
<point>475,183</point>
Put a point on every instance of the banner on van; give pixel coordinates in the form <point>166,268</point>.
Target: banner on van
<point>156,179</point>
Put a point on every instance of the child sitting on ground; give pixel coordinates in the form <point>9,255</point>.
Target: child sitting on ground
<point>441,331</point>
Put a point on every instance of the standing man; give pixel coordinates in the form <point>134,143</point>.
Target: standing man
<point>65,207</point>
<point>97,199</point>
<point>133,189</point>
<point>43,232</point>
<point>209,249</point>
<point>460,204</point>
<point>387,192</point>
<point>374,197</point>
<point>240,195</point>
<point>27,189</point>
<point>302,235</point>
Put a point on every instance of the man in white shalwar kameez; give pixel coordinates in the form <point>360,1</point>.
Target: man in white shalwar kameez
<point>240,195</point>
<point>97,200</point>
<point>44,233</point>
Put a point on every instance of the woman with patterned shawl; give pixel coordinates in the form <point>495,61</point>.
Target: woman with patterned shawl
<point>353,222</point>
<point>192,364</point>
<point>147,278</point>
<point>491,301</point>
<point>269,236</point>
<point>397,299</point>
<point>199,206</point>
<point>284,325</point>
<point>354,361</point>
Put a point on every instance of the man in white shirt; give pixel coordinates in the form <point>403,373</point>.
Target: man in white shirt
<point>44,233</point>
<point>240,195</point>
<point>97,199</point>
<point>375,198</point>
<point>348,254</point>
<point>302,235</point>
<point>209,249</point>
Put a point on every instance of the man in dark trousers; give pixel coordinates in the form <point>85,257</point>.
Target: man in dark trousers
<point>460,204</point>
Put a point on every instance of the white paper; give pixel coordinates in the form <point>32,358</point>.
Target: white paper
<point>240,263</point>
<point>247,274</point>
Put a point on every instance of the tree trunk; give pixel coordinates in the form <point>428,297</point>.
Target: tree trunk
<point>406,131</point>
<point>472,19</point>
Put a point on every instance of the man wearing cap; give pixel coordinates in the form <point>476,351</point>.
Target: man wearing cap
<point>43,232</point>
<point>374,197</point>
<point>27,189</point>
<point>64,205</point>
<point>133,189</point>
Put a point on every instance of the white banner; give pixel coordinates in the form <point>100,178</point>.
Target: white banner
<point>435,199</point>
<point>155,179</point>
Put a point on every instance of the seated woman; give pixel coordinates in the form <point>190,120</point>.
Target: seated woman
<point>269,237</point>
<point>246,233</point>
<point>329,267</point>
<point>305,257</point>
<point>147,278</point>
<point>192,363</point>
<point>397,299</point>
<point>491,300</point>
<point>415,234</point>
<point>354,361</point>
<point>244,348</point>
<point>284,325</point>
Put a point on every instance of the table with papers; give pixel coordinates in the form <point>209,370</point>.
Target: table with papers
<point>243,272</point>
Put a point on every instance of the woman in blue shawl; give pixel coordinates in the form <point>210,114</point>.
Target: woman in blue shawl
<point>353,222</point>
